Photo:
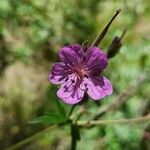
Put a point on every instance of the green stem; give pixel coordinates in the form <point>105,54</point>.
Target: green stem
<point>106,122</point>
<point>71,111</point>
<point>29,139</point>
<point>75,136</point>
<point>73,139</point>
<point>73,144</point>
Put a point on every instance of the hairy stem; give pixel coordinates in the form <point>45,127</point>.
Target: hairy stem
<point>29,139</point>
<point>110,122</point>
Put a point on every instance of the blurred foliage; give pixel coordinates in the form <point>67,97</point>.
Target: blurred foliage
<point>32,32</point>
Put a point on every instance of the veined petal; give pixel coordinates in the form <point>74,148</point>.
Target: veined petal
<point>98,87</point>
<point>71,92</point>
<point>59,73</point>
<point>96,60</point>
<point>107,87</point>
<point>72,54</point>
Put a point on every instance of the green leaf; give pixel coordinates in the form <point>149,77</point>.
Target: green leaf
<point>61,109</point>
<point>51,94</point>
<point>49,119</point>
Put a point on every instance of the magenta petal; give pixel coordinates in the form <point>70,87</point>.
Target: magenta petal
<point>96,59</point>
<point>107,88</point>
<point>59,73</point>
<point>71,93</point>
<point>77,49</point>
<point>98,87</point>
<point>72,54</point>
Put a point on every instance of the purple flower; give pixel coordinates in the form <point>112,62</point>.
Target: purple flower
<point>80,72</point>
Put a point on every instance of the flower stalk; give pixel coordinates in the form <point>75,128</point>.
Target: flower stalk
<point>102,34</point>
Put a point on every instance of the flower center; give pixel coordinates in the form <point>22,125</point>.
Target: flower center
<point>81,72</point>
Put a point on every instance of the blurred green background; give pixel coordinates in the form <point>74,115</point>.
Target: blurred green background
<point>31,34</point>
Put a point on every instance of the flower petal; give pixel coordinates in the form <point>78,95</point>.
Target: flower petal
<point>98,87</point>
<point>96,60</point>
<point>71,92</point>
<point>72,54</point>
<point>59,73</point>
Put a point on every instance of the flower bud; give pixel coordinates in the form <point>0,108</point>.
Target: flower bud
<point>115,45</point>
